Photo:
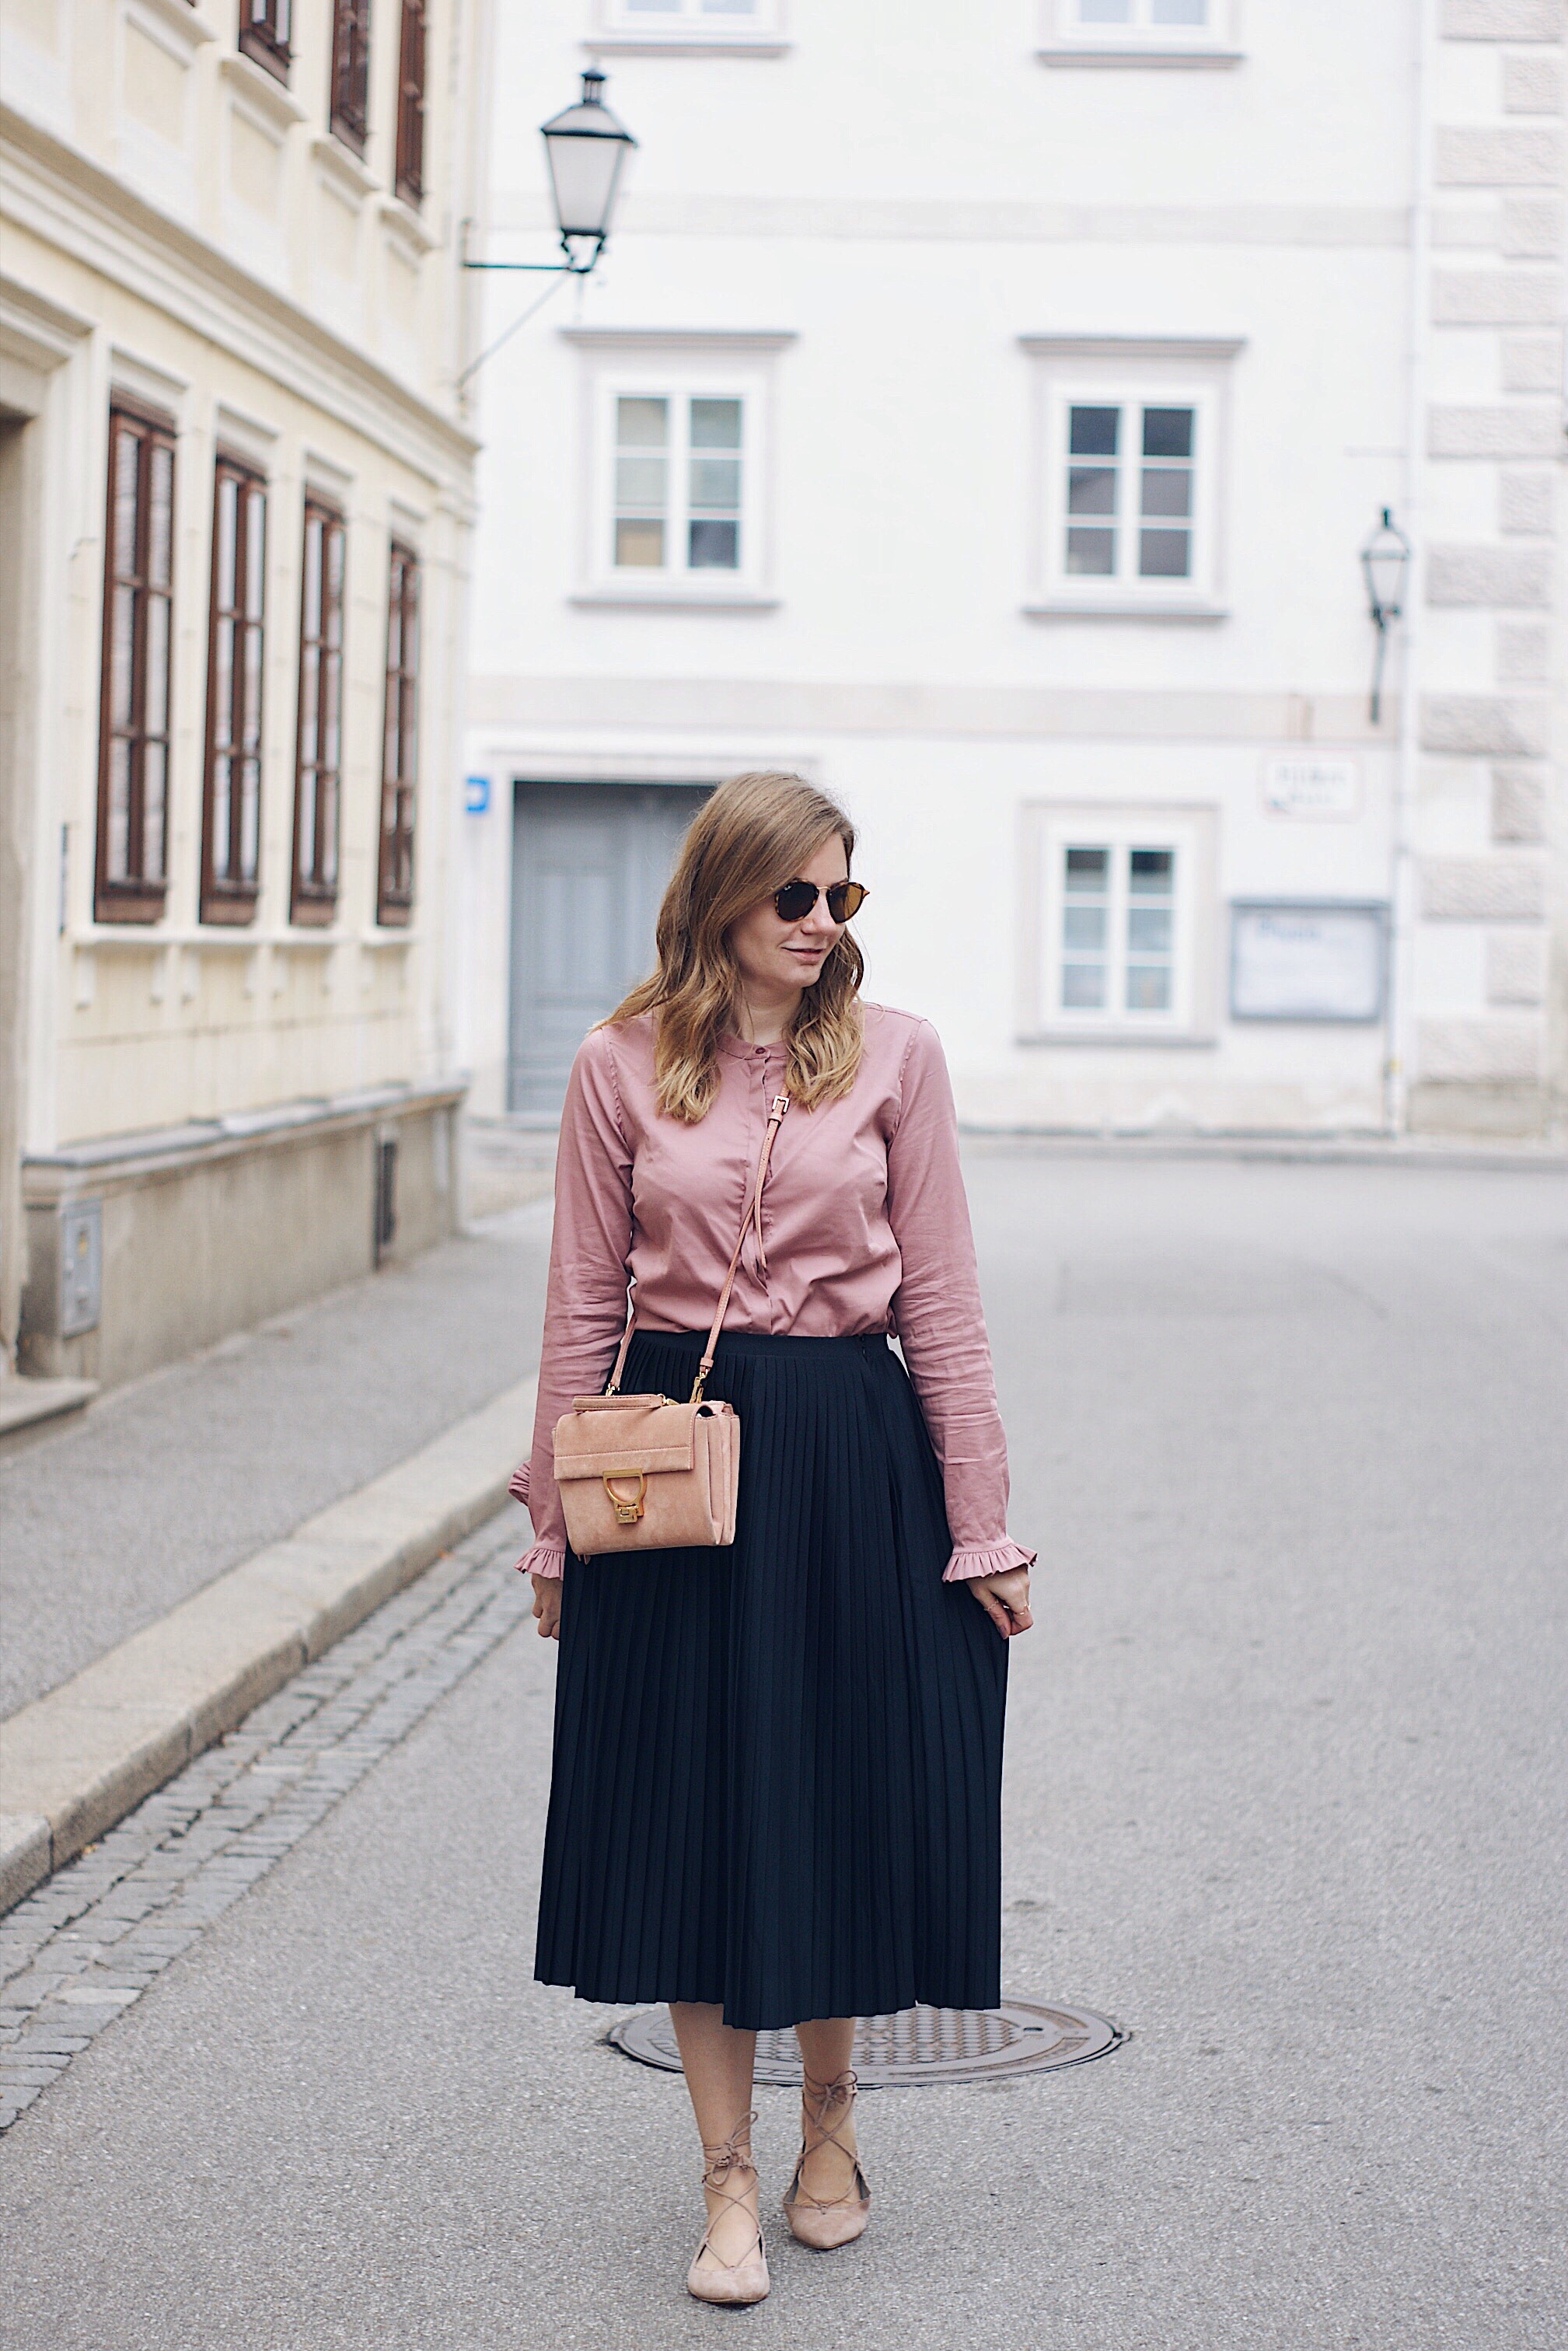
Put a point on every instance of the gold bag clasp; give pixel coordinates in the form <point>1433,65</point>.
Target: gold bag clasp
<point>628,1507</point>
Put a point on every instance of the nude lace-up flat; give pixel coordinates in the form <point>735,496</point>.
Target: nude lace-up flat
<point>710,2278</point>
<point>839,2219</point>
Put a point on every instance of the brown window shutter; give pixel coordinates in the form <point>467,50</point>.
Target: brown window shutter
<point>350,111</point>
<point>409,176</point>
<point>131,863</point>
<point>394,864</point>
<point>265,28</point>
<point>318,752</point>
<point>231,799</point>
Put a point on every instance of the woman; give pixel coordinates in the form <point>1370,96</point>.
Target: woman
<point>777,1765</point>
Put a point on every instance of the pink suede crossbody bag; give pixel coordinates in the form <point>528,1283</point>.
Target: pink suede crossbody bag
<point>644,1472</point>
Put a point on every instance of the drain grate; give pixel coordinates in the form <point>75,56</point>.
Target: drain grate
<point>920,2044</point>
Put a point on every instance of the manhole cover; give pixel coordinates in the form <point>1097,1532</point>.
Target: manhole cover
<point>920,2044</point>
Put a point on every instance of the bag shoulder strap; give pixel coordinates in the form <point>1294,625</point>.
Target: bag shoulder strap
<point>753,1211</point>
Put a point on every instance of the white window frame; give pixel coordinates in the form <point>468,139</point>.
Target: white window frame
<point>1130,374</point>
<point>1051,828</point>
<point>1126,581</point>
<point>686,26</point>
<point>1066,39</point>
<point>639,364</point>
<point>678,453</point>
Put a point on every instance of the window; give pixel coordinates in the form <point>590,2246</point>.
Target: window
<point>1140,16</point>
<point>676,434</point>
<point>231,818</point>
<point>265,27</point>
<point>318,744</point>
<point>1131,475</point>
<point>677,491</point>
<point>395,871</point>
<point>133,707</point>
<point>1128,505</point>
<point>1124,922</point>
<point>1118,919</point>
<point>410,174</point>
<point>350,111</point>
<point>1163,32</point>
<point>691,20</point>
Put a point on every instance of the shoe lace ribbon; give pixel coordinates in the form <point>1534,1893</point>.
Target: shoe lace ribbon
<point>819,2100</point>
<point>720,2164</point>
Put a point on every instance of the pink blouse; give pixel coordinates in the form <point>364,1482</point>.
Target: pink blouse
<point>864,1227</point>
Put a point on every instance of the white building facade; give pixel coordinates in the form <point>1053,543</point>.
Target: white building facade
<point>984,414</point>
<point>237,499</point>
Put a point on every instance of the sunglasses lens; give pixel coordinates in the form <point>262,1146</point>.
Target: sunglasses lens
<point>795,901</point>
<point>844,900</point>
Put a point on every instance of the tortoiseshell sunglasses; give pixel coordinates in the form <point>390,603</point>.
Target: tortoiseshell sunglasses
<point>796,900</point>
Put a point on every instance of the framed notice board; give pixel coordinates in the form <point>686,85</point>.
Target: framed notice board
<point>1307,958</point>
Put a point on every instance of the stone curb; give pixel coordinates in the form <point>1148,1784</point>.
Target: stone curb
<point>74,1761</point>
<point>31,1407</point>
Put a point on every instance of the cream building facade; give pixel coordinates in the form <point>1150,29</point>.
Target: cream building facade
<point>986,414</point>
<point>236,483</point>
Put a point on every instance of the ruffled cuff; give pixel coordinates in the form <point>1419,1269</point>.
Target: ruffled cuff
<point>517,1484</point>
<point>545,1559</point>
<point>970,1560</point>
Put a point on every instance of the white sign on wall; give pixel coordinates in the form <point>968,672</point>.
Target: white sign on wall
<point>1311,788</point>
<point>1294,961</point>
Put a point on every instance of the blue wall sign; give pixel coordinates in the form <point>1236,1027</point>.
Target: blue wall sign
<point>476,795</point>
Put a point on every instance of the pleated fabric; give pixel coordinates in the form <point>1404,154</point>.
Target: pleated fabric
<point>776,1781</point>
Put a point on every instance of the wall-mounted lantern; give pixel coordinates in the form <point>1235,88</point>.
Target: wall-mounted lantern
<point>1383,561</point>
<point>587,147</point>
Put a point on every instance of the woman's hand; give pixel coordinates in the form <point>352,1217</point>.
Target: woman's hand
<point>1004,1598</point>
<point>547,1605</point>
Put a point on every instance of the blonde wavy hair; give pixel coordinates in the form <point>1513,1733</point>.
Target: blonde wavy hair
<point>751,837</point>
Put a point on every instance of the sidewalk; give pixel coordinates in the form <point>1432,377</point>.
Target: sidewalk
<point>168,1482</point>
<point>167,1563</point>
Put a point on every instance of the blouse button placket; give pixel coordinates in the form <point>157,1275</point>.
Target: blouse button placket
<point>762,1058</point>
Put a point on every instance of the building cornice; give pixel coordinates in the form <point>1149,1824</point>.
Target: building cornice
<point>34,329</point>
<point>271,99</point>
<point>1126,608</point>
<point>410,227</point>
<point>180,19</point>
<point>1133,346</point>
<point>64,198</point>
<point>678,44</point>
<point>679,338</point>
<point>1131,56</point>
<point>340,164</point>
<point>675,600</point>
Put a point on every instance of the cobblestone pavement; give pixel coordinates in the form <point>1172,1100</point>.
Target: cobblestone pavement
<point>87,1944</point>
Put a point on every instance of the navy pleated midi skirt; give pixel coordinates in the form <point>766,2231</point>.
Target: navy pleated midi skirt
<point>778,1765</point>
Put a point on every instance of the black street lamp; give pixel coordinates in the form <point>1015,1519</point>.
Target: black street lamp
<point>586,148</point>
<point>1382,563</point>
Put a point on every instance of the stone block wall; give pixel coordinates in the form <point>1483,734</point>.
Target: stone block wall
<point>1492,632</point>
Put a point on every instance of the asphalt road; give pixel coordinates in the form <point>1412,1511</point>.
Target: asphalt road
<point>1285,1797</point>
